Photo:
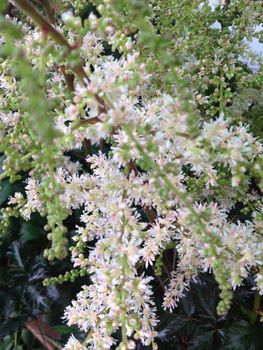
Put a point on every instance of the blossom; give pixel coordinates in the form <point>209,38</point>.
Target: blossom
<point>91,45</point>
<point>74,344</point>
<point>163,169</point>
<point>34,202</point>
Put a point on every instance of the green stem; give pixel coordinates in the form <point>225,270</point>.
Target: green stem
<point>15,340</point>
<point>123,329</point>
<point>213,238</point>
<point>4,175</point>
<point>221,92</point>
<point>157,169</point>
<point>42,67</point>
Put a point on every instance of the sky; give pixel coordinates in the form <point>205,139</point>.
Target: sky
<point>255,45</point>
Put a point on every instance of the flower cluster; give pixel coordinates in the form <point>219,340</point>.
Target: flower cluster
<point>154,170</point>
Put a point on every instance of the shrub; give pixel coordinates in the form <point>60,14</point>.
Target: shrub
<point>143,116</point>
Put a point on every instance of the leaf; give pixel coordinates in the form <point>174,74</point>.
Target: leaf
<point>205,298</point>
<point>11,325</point>
<point>16,254</point>
<point>53,293</point>
<point>187,304</point>
<point>179,326</point>
<point>241,335</point>
<point>6,190</point>
<point>29,232</point>
<point>36,296</point>
<point>6,305</point>
<point>208,338</point>
<point>64,330</point>
<point>7,343</point>
<point>27,338</point>
<point>2,157</point>
<point>9,28</point>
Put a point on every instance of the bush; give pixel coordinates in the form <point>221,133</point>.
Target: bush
<point>131,141</point>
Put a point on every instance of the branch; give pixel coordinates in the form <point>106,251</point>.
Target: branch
<point>42,332</point>
<point>49,11</point>
<point>69,78</point>
<point>26,7</point>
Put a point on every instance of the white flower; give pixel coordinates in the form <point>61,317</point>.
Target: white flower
<point>73,344</point>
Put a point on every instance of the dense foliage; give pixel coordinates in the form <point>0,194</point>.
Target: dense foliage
<point>131,143</point>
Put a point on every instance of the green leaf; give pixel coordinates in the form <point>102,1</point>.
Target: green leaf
<point>9,28</point>
<point>241,335</point>
<point>29,232</point>
<point>6,190</point>
<point>11,325</point>
<point>64,330</point>
<point>2,5</point>
<point>187,304</point>
<point>2,157</point>
<point>27,338</point>
<point>7,343</point>
<point>208,338</point>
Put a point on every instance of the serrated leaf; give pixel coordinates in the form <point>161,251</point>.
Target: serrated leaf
<point>36,297</point>
<point>12,325</point>
<point>241,335</point>
<point>29,232</point>
<point>205,298</point>
<point>208,338</point>
<point>188,305</point>
<point>179,326</point>
<point>16,254</point>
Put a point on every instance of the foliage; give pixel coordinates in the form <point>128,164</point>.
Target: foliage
<point>130,134</point>
<point>197,326</point>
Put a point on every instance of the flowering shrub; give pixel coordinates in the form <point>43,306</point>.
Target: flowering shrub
<point>149,95</point>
